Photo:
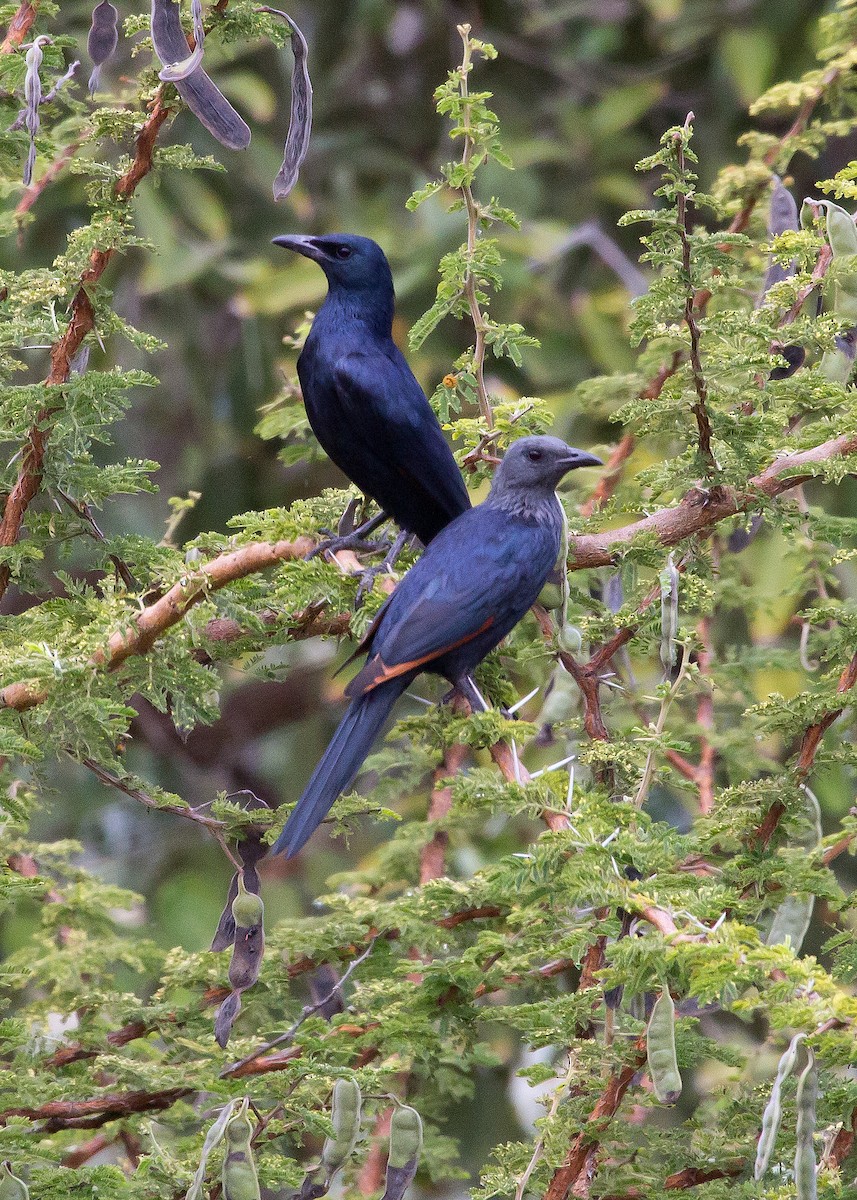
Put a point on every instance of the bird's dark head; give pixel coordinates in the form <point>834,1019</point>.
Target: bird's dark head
<point>534,466</point>
<point>350,262</point>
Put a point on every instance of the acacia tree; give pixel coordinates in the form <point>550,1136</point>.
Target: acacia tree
<point>661,965</point>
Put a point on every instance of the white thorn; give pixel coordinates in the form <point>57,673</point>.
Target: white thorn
<point>563,762</point>
<point>521,703</point>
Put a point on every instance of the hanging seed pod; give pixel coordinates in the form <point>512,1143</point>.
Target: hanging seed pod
<point>774,1108</point>
<point>791,921</point>
<point>248,912</point>
<point>660,1050</point>
<point>32,100</point>
<point>345,1115</point>
<point>212,1139</point>
<point>239,1178</point>
<point>103,40</point>
<point>225,1018</point>
<point>172,72</point>
<point>807,1092</point>
<point>842,236</point>
<point>782,216</point>
<point>406,1143</point>
<point>300,113</point>
<point>203,98</point>
<point>669,614</point>
<point>11,1187</point>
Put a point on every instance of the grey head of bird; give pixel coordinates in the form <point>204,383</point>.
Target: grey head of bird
<point>532,468</point>
<point>350,262</point>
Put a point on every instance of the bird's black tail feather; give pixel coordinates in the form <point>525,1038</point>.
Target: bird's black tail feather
<point>340,763</point>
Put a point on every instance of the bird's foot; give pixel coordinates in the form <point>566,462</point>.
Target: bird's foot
<point>351,541</point>
<point>367,579</point>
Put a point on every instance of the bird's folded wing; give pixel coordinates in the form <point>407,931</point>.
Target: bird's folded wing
<point>415,448</point>
<point>460,588</point>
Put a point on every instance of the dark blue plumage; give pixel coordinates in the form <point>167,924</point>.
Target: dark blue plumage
<point>364,404</point>
<point>471,587</point>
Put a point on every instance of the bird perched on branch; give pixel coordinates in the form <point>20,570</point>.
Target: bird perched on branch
<point>474,583</point>
<point>364,404</point>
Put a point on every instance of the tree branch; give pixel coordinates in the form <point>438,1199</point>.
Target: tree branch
<point>141,632</point>
<point>19,26</point>
<point>82,322</point>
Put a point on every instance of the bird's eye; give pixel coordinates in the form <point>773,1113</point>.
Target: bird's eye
<point>534,455</point>
<point>343,251</point>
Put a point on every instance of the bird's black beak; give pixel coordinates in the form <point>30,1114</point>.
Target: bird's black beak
<point>301,243</point>
<point>579,458</point>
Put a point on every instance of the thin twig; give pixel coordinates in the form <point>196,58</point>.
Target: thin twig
<point>308,1011</point>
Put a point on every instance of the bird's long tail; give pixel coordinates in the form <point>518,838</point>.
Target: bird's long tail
<point>340,762</point>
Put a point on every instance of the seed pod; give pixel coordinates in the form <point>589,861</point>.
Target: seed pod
<point>774,1108</point>
<point>614,593</point>
<point>570,638</point>
<point>406,1143</point>
<point>660,1050</point>
<point>300,113</point>
<point>206,102</point>
<point>551,596</point>
<point>172,72</point>
<point>239,1178</point>
<point>782,216</point>
<point>669,614</point>
<point>212,1139</point>
<point>247,907</point>
<point>842,236</point>
<point>837,364</point>
<point>807,1092</point>
<point>103,39</point>
<point>791,921</point>
<point>227,1015</point>
<point>11,1187</point>
<point>32,100</point>
<point>345,1116</point>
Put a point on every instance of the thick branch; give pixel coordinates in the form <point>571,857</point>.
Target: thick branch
<point>88,1114</point>
<point>19,26</point>
<point>586,1142</point>
<point>81,323</point>
<point>142,632</point>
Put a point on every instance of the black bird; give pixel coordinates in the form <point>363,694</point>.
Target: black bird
<point>472,585</point>
<point>364,404</point>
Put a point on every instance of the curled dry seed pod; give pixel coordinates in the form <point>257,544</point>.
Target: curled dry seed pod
<point>206,102</point>
<point>32,100</point>
<point>239,1178</point>
<point>11,1187</point>
<point>171,72</point>
<point>669,614</point>
<point>807,1092</point>
<point>300,113</point>
<point>660,1050</point>
<point>103,39</point>
<point>345,1115</point>
<point>406,1143</point>
<point>774,1108</point>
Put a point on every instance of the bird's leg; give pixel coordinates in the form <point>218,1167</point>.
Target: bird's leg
<point>466,687</point>
<point>355,540</point>
<point>367,579</point>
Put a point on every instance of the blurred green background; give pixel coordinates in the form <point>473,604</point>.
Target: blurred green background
<point>583,89</point>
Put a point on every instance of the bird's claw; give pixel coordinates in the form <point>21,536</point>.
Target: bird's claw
<point>367,582</point>
<point>351,541</point>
